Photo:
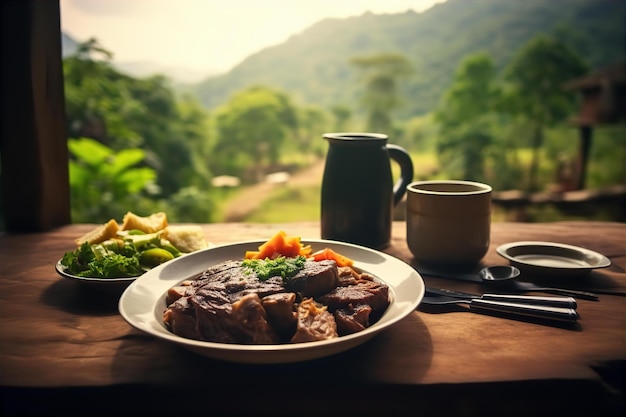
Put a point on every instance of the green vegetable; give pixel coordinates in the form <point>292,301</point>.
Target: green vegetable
<point>155,256</point>
<point>165,244</point>
<point>145,241</point>
<point>281,266</point>
<point>128,256</point>
<point>115,266</point>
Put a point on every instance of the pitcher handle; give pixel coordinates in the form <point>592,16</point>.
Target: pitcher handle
<point>402,157</point>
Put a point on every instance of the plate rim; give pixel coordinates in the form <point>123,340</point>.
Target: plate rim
<point>275,353</point>
<point>503,249</point>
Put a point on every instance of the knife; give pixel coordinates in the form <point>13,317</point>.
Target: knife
<point>565,302</point>
<point>477,305</point>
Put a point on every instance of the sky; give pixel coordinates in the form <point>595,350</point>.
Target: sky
<point>175,32</point>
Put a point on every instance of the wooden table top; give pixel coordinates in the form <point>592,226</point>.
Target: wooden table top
<point>61,342</point>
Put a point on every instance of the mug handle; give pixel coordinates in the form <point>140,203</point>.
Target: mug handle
<point>402,157</point>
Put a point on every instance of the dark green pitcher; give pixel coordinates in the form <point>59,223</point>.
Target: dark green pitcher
<point>358,193</point>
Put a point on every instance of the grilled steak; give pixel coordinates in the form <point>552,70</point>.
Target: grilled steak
<point>228,303</point>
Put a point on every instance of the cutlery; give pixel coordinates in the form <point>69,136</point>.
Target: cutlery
<point>565,302</point>
<point>477,305</point>
<point>522,286</point>
<point>509,285</point>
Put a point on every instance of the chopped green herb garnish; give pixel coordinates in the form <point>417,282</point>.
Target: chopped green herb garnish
<point>281,266</point>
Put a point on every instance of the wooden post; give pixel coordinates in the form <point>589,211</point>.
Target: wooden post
<point>586,133</point>
<point>33,142</point>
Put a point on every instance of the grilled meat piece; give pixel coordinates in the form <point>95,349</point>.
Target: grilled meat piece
<point>352,319</point>
<point>180,318</point>
<point>314,323</point>
<point>281,311</point>
<point>249,322</point>
<point>372,293</point>
<point>187,317</point>
<point>316,278</point>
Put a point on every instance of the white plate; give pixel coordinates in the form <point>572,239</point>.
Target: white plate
<point>142,304</point>
<point>552,258</point>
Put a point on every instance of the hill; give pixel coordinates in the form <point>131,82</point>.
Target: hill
<point>313,66</point>
<point>69,45</point>
<point>138,69</point>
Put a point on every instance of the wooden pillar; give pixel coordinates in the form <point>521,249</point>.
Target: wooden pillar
<point>586,133</point>
<point>33,142</point>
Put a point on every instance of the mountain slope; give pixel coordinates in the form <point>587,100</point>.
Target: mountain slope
<point>69,45</point>
<point>313,66</point>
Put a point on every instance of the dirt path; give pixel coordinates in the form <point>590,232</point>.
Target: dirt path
<point>251,197</point>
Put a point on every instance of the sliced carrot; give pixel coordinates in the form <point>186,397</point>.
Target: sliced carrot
<point>252,254</point>
<point>328,253</point>
<point>290,247</point>
<point>272,246</point>
<point>280,245</point>
<point>305,250</point>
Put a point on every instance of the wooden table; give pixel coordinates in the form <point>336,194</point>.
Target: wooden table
<point>65,350</point>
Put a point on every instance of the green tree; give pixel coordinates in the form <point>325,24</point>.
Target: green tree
<point>312,122</point>
<point>382,74</point>
<point>122,112</point>
<point>535,92</point>
<point>342,114</point>
<point>465,117</point>
<point>420,134</point>
<point>128,117</point>
<point>98,100</point>
<point>105,183</point>
<point>195,129</point>
<point>251,129</point>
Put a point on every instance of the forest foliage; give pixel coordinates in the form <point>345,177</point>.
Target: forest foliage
<point>144,144</point>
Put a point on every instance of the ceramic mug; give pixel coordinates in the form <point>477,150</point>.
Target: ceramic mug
<point>358,193</point>
<point>448,222</point>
